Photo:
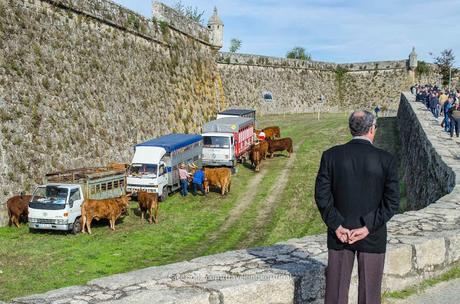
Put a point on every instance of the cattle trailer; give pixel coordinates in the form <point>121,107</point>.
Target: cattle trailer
<point>56,205</point>
<point>155,164</point>
<point>227,140</point>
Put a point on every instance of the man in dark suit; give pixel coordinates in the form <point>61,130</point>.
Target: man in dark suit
<point>357,192</point>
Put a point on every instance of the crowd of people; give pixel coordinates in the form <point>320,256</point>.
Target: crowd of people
<point>443,103</point>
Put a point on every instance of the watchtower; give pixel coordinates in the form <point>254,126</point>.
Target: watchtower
<point>216,26</point>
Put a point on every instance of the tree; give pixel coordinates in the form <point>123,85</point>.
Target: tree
<point>298,53</point>
<point>189,11</point>
<point>422,69</point>
<point>445,63</point>
<point>235,45</point>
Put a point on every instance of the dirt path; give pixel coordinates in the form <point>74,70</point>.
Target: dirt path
<point>269,205</point>
<point>240,207</point>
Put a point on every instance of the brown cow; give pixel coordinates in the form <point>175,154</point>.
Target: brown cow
<point>110,209</point>
<point>256,157</point>
<point>263,146</point>
<point>148,202</point>
<point>219,177</point>
<point>280,145</point>
<point>18,208</point>
<point>272,132</point>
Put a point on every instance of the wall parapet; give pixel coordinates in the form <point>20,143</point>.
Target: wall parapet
<point>421,244</point>
<point>121,17</point>
<point>269,61</point>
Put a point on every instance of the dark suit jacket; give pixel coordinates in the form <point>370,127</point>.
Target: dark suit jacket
<point>357,185</point>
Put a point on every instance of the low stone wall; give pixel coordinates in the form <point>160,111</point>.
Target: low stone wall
<point>426,173</point>
<point>421,244</point>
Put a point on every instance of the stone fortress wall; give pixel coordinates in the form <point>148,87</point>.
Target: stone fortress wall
<point>296,85</point>
<point>82,81</point>
<point>422,244</point>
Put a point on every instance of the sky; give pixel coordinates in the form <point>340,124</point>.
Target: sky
<point>341,31</point>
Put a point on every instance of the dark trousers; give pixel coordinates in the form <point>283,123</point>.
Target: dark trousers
<point>338,276</point>
<point>198,187</point>
<point>454,124</point>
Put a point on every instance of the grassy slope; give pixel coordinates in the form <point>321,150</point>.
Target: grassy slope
<point>32,263</point>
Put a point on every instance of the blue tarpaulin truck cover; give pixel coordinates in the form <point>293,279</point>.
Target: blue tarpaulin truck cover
<point>172,142</point>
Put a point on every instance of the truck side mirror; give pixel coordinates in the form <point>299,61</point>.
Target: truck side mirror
<point>71,203</point>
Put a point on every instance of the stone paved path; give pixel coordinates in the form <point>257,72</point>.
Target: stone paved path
<point>442,293</point>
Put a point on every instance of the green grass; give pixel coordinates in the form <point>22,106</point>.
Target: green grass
<point>33,263</point>
<point>453,273</point>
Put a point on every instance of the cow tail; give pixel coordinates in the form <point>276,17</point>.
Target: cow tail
<point>83,217</point>
<point>9,217</point>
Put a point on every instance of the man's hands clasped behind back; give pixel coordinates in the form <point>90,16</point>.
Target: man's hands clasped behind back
<point>351,236</point>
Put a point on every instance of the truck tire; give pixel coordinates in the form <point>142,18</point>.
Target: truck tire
<point>165,194</point>
<point>76,226</point>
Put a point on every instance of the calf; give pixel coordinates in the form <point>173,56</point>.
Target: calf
<point>263,147</point>
<point>110,209</point>
<point>218,177</point>
<point>18,208</point>
<point>280,145</point>
<point>272,132</point>
<point>148,202</point>
<point>256,157</point>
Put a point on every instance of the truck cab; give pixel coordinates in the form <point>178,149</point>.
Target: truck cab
<point>219,149</point>
<point>155,164</point>
<point>148,171</point>
<point>56,207</point>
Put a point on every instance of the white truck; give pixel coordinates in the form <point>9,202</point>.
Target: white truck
<point>227,140</point>
<point>56,205</point>
<point>155,164</point>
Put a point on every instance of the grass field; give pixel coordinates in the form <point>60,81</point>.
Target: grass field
<point>190,227</point>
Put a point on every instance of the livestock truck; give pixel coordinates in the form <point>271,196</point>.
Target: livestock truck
<point>155,164</point>
<point>56,205</point>
<point>227,140</point>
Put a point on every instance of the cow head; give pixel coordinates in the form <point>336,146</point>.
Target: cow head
<point>123,202</point>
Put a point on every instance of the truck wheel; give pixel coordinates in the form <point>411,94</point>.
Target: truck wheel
<point>165,194</point>
<point>76,226</point>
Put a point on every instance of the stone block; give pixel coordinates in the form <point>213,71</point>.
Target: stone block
<point>261,290</point>
<point>398,259</point>
<point>167,296</point>
<point>430,252</point>
<point>453,254</point>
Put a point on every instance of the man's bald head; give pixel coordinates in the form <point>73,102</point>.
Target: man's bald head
<point>360,122</point>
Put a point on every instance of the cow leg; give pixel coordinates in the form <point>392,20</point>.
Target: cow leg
<point>16,221</point>
<point>156,214</point>
<point>150,214</point>
<point>88,224</point>
<point>142,215</point>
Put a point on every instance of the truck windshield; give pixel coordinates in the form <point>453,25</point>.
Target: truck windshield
<point>143,169</point>
<point>216,142</point>
<point>49,197</point>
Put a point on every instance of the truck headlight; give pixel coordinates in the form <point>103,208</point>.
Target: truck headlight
<point>32,220</point>
<point>61,222</point>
